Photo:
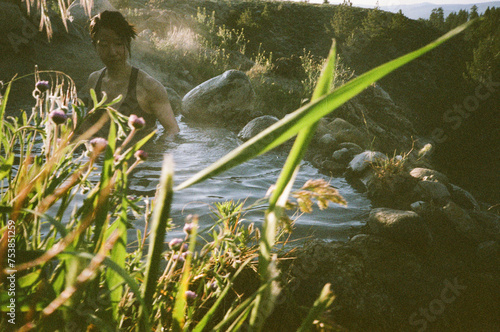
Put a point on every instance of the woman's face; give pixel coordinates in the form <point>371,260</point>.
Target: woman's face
<point>111,48</point>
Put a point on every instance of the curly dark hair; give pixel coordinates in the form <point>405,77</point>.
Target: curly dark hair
<point>115,21</point>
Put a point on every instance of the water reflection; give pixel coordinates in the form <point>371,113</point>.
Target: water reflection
<point>198,146</point>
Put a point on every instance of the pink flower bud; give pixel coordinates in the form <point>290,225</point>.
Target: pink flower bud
<point>188,227</point>
<point>98,144</point>
<point>175,244</point>
<point>42,86</point>
<point>58,116</point>
<point>190,295</point>
<point>141,155</point>
<point>134,122</point>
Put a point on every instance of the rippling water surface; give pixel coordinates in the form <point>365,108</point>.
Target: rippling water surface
<point>196,147</point>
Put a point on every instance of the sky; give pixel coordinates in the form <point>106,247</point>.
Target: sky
<point>366,3</point>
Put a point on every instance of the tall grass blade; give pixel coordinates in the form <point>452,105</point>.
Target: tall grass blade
<point>158,229</point>
<point>106,175</point>
<point>280,194</point>
<point>178,313</point>
<point>118,255</point>
<point>208,316</point>
<point>324,300</point>
<point>3,106</point>
<point>307,115</point>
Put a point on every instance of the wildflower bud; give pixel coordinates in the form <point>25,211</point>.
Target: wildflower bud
<point>190,295</point>
<point>58,116</point>
<point>175,244</point>
<point>179,258</point>
<point>188,228</point>
<point>134,122</point>
<point>98,144</point>
<point>42,86</point>
<point>141,155</point>
<point>212,286</point>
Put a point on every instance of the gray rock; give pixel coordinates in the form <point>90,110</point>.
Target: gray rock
<point>419,207</point>
<point>256,126</point>
<point>225,99</point>
<point>327,142</point>
<point>343,131</point>
<point>401,226</point>
<point>433,191</point>
<point>429,175</point>
<point>463,198</point>
<point>361,161</point>
<point>464,224</point>
<point>339,125</point>
<point>354,148</point>
<point>342,156</point>
<point>333,166</point>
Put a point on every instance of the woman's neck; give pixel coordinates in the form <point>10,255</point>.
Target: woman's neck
<point>119,73</point>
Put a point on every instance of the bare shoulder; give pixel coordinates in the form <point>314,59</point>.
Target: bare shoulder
<point>92,81</point>
<point>151,86</point>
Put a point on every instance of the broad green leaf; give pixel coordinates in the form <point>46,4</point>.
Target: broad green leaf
<point>159,225</point>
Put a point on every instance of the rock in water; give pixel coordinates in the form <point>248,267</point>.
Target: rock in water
<point>256,126</point>
<point>361,161</point>
<point>226,99</point>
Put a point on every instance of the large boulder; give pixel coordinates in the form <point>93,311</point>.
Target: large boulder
<point>78,13</point>
<point>227,99</point>
<point>256,126</point>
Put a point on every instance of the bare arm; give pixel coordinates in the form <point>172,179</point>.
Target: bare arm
<point>159,105</point>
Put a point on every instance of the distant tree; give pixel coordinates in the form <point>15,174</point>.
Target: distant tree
<point>399,21</point>
<point>453,20</point>
<point>473,13</point>
<point>485,64</point>
<point>436,19</point>
<point>343,22</point>
<point>374,23</point>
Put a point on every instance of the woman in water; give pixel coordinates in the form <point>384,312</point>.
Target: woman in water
<point>142,95</point>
